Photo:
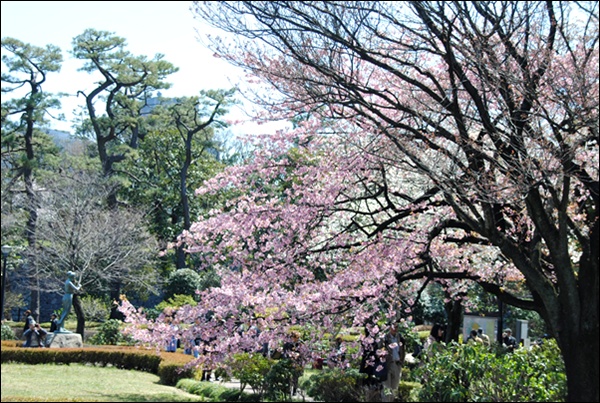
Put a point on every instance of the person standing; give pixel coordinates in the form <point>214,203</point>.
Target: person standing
<point>508,341</point>
<point>374,369</point>
<point>171,346</point>
<point>338,357</point>
<point>291,353</point>
<point>394,345</point>
<point>435,339</point>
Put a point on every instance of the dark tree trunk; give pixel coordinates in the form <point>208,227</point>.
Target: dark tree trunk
<point>581,362</point>
<point>578,334</point>
<point>180,258</point>
<point>80,316</point>
<point>115,296</point>
<point>454,313</point>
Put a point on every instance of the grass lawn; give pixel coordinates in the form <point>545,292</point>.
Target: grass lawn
<point>85,383</point>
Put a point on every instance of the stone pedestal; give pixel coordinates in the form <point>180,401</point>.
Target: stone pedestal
<point>64,340</point>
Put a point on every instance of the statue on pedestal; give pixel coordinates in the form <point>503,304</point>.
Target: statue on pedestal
<point>67,301</point>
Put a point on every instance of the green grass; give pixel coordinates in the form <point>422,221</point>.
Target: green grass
<point>85,383</point>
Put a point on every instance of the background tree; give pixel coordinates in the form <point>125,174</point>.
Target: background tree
<point>179,151</point>
<point>182,282</point>
<point>78,232</point>
<point>114,105</point>
<point>25,69</point>
<point>493,104</point>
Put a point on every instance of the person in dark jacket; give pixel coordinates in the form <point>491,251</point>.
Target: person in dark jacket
<point>53,323</point>
<point>508,341</point>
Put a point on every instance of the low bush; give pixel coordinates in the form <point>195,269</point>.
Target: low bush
<point>251,369</point>
<point>408,391</point>
<point>468,372</point>
<point>7,332</point>
<point>278,380</point>
<point>215,392</point>
<point>110,334</point>
<point>170,373</point>
<point>334,385</point>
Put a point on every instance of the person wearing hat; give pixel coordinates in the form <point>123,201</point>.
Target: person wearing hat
<point>508,341</point>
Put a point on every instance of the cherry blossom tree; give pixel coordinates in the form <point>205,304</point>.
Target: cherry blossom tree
<point>434,141</point>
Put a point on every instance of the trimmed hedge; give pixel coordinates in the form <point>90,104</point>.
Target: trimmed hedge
<point>216,393</point>
<point>170,367</point>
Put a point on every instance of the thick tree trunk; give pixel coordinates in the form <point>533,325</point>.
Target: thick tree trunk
<point>581,362</point>
<point>454,311</point>
<point>80,316</point>
<point>579,342</point>
<point>578,333</point>
<point>180,258</point>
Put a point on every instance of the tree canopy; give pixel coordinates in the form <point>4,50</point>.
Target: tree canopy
<point>435,141</point>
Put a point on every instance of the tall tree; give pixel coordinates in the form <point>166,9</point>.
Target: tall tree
<point>186,126</point>
<point>114,105</point>
<point>449,141</point>
<point>23,117</point>
<point>78,232</point>
<point>495,103</point>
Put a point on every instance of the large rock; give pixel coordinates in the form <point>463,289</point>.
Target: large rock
<point>64,340</point>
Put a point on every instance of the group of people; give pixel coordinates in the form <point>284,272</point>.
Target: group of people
<point>478,337</point>
<point>33,328</point>
<point>509,342</point>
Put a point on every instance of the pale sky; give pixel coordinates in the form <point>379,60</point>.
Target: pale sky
<point>149,27</point>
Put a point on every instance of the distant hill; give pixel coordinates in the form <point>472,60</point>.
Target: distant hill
<point>66,141</point>
<point>61,138</point>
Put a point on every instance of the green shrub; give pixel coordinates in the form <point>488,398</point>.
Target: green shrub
<point>94,309</point>
<point>7,332</point>
<point>109,333</point>
<point>215,392</point>
<point>278,380</point>
<point>251,369</point>
<point>171,373</point>
<point>467,373</point>
<point>408,391</point>
<point>182,282</point>
<point>334,385</point>
<point>175,302</point>
<point>121,357</point>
